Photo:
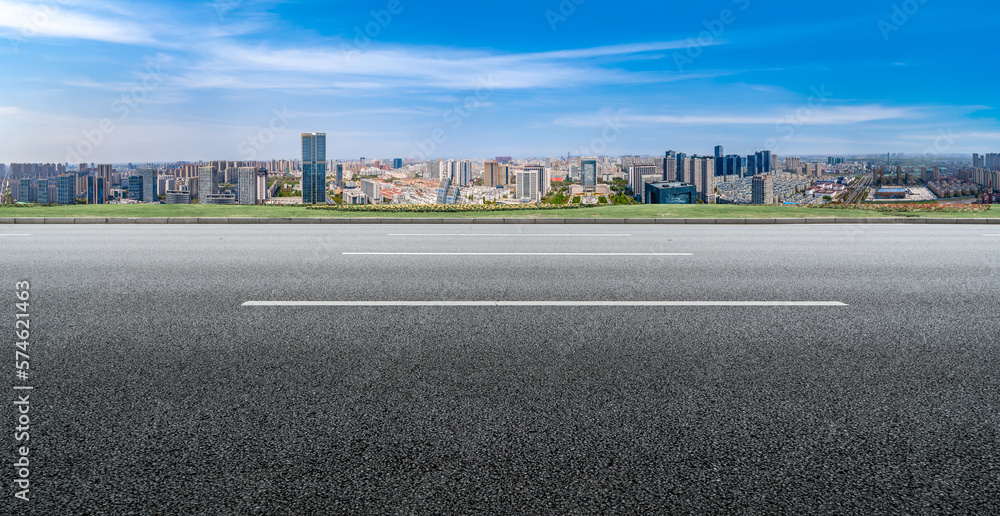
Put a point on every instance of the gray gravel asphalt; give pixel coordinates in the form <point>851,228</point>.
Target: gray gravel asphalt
<point>156,392</point>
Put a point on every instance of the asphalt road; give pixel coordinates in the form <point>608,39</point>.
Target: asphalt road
<point>158,392</point>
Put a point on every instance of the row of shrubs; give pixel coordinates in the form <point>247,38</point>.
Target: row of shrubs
<point>909,208</point>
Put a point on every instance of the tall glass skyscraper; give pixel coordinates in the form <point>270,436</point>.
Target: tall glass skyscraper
<point>67,188</point>
<point>588,174</point>
<point>313,168</point>
<point>97,189</point>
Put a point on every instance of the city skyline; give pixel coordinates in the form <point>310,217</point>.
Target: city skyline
<point>241,80</point>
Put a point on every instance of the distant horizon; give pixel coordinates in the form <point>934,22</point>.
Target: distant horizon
<point>242,79</point>
<point>515,158</point>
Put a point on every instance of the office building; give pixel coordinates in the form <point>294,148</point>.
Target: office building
<point>67,189</point>
<point>135,188</point>
<point>397,163</point>
<point>465,173</point>
<point>105,172</point>
<point>493,174</point>
<point>314,168</point>
<point>43,192</point>
<point>339,167</point>
<point>246,185</point>
<point>207,184</point>
<point>28,191</point>
<point>442,191</point>
<point>720,162</point>
<point>372,190</point>
<point>665,192</point>
<point>178,197</point>
<point>527,185</point>
<point>149,192</point>
<point>544,179</point>
<point>762,189</point>
<point>635,175</point>
<point>354,196</point>
<point>732,166</point>
<point>97,189</point>
<point>220,198</point>
<point>764,161</point>
<point>588,174</point>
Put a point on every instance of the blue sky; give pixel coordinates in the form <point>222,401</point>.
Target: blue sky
<point>116,81</point>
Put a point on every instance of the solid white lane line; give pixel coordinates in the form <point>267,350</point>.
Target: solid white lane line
<point>518,254</point>
<point>504,235</point>
<point>16,234</point>
<point>548,303</point>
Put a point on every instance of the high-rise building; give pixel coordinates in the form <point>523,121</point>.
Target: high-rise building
<point>670,168</point>
<point>247,185</point>
<point>314,168</point>
<point>527,185</point>
<point>451,170</point>
<point>718,151</point>
<point>705,171</point>
<point>990,161</point>
<point>493,174</point>
<point>397,163</point>
<point>752,169</point>
<point>733,165</point>
<point>588,174</point>
<point>67,189</point>
<point>762,189</point>
<point>543,179</point>
<point>135,187</point>
<point>105,172</point>
<point>29,191</point>
<point>465,173</point>
<point>340,175</point>
<point>149,193</point>
<point>720,162</point>
<point>207,184</point>
<point>635,176</point>
<point>43,192</point>
<point>97,189</point>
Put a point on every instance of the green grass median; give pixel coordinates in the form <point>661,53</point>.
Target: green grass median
<point>615,212</point>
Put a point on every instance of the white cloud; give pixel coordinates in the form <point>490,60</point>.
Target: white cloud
<point>840,115</point>
<point>236,66</point>
<point>60,19</point>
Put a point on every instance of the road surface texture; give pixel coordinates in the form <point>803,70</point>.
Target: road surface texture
<point>156,391</point>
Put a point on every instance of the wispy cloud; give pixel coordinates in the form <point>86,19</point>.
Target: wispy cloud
<point>841,115</point>
<point>66,20</point>
<point>413,66</point>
